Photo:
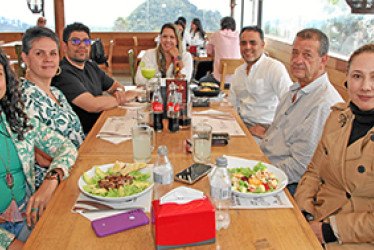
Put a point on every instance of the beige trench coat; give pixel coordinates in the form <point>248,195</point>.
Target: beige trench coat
<point>341,179</point>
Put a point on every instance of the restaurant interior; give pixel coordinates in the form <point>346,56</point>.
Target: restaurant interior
<point>256,225</point>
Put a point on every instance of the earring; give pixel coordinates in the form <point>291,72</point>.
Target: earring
<point>59,71</point>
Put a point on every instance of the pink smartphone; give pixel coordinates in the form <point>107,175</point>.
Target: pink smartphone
<point>119,222</point>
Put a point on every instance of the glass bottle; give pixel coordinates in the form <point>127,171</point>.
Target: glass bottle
<point>158,109</point>
<point>173,108</point>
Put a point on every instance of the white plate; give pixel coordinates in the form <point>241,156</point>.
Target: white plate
<point>104,168</point>
<point>243,163</point>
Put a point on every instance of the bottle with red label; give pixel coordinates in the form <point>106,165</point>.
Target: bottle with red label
<point>173,108</point>
<point>158,109</point>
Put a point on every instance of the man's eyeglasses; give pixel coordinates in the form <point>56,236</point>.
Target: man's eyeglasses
<point>77,41</point>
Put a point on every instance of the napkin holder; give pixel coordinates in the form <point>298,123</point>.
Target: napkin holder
<point>181,225</point>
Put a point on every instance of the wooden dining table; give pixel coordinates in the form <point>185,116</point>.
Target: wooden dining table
<point>59,228</point>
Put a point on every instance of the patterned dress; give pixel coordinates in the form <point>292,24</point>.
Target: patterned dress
<point>60,117</point>
<point>58,147</point>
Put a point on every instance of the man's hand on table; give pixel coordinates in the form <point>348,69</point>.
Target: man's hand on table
<point>123,97</point>
<point>258,131</point>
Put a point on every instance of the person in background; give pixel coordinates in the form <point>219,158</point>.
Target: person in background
<point>83,82</point>
<point>41,22</point>
<point>197,33</point>
<point>293,136</point>
<point>40,52</point>
<point>180,25</point>
<point>336,192</point>
<point>258,84</point>
<point>186,36</point>
<point>168,56</point>
<point>222,44</point>
<point>21,205</point>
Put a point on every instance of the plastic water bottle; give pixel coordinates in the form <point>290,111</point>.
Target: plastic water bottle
<point>163,173</point>
<point>220,192</point>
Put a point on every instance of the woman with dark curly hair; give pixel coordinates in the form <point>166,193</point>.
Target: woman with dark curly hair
<point>197,33</point>
<point>20,205</point>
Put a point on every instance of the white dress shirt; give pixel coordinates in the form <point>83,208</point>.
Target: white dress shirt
<point>255,96</point>
<point>293,136</point>
<point>150,59</point>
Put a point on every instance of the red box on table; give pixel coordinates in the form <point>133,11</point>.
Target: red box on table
<point>181,225</point>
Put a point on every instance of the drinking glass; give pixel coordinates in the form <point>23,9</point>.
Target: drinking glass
<point>143,141</point>
<point>148,72</point>
<point>202,142</point>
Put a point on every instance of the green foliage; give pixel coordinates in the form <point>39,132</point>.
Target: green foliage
<point>152,14</point>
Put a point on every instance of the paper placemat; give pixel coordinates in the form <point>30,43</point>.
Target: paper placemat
<point>279,200</point>
<point>143,201</point>
<point>117,129</point>
<point>220,124</point>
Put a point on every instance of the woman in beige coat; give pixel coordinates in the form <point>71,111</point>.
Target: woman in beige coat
<point>336,193</point>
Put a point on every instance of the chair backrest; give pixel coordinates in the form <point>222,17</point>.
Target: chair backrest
<point>132,65</point>
<point>110,58</point>
<point>228,66</point>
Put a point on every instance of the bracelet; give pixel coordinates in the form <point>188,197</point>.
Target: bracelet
<point>177,58</point>
<point>53,175</point>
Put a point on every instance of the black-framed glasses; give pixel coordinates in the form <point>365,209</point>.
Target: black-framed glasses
<point>77,41</point>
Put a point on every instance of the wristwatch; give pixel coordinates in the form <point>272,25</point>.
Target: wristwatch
<point>117,89</point>
<point>53,175</point>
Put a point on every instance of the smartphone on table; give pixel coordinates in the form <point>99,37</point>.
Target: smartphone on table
<point>119,222</point>
<point>193,173</point>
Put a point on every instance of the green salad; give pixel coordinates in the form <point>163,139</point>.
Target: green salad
<point>116,182</point>
<point>256,180</point>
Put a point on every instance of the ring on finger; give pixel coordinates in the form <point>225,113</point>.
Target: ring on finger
<point>34,209</point>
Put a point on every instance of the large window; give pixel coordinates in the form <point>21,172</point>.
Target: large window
<point>346,31</point>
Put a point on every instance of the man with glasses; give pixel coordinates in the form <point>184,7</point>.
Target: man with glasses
<point>83,82</point>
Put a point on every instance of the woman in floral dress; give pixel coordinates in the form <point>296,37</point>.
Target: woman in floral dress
<point>40,52</point>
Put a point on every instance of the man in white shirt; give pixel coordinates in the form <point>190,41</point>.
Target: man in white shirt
<point>293,136</point>
<point>258,84</point>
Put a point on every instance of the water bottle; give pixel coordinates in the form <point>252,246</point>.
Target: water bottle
<point>163,173</point>
<point>220,192</point>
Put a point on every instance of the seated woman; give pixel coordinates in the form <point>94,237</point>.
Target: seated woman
<point>180,25</point>
<point>168,56</point>
<point>197,33</point>
<point>40,52</point>
<point>20,205</point>
<point>336,192</point>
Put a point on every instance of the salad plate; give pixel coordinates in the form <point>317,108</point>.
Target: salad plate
<point>278,173</point>
<point>91,173</point>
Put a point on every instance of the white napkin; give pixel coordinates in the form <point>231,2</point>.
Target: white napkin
<point>181,195</point>
<point>210,112</point>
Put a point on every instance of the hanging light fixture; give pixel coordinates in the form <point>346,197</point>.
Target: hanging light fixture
<point>36,6</point>
<point>361,6</point>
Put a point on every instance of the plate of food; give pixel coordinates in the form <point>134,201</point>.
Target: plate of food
<point>256,179</point>
<point>206,91</point>
<point>116,182</point>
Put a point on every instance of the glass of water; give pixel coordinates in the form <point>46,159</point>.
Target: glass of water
<point>202,142</point>
<point>143,142</point>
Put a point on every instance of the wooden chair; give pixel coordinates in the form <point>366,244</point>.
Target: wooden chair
<point>110,58</point>
<point>109,52</point>
<point>132,64</point>
<point>228,66</point>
